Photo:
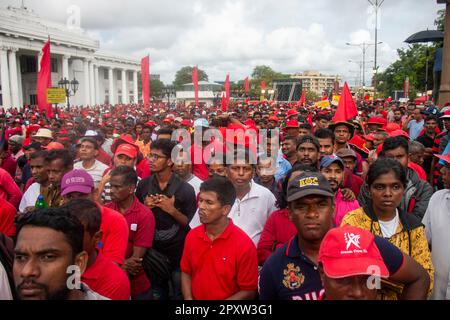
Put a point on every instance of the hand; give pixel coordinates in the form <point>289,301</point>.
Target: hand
<point>106,178</point>
<point>348,195</point>
<point>133,266</point>
<point>166,204</point>
<point>151,201</point>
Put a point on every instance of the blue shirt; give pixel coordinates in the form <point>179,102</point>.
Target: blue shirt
<point>415,128</point>
<point>283,167</point>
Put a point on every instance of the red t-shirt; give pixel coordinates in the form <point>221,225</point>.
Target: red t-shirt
<point>9,189</point>
<point>7,216</point>
<point>115,235</point>
<point>107,279</point>
<point>220,268</point>
<point>277,231</point>
<point>419,170</point>
<point>103,157</point>
<point>141,226</point>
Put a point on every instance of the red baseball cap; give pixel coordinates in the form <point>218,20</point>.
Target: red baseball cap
<point>399,133</point>
<point>126,149</point>
<point>392,127</point>
<point>274,118</point>
<point>292,124</point>
<point>370,137</point>
<point>350,251</point>
<point>292,112</point>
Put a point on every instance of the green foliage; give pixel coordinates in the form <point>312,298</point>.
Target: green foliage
<point>184,75</point>
<point>312,96</point>
<point>439,22</point>
<point>156,88</point>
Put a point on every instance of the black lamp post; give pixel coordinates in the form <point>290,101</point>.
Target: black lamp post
<point>71,88</point>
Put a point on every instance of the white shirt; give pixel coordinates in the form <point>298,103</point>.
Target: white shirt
<point>96,171</point>
<point>388,228</point>
<point>437,225</point>
<point>195,182</point>
<point>5,290</point>
<point>30,196</point>
<point>251,213</point>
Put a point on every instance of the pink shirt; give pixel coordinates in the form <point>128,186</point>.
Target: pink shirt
<point>343,207</point>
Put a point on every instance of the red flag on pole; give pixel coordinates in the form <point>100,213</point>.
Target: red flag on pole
<point>246,85</point>
<point>346,109</point>
<point>195,82</point>
<point>44,81</point>
<point>302,101</point>
<point>145,77</point>
<point>227,90</point>
<point>224,103</point>
<point>263,85</point>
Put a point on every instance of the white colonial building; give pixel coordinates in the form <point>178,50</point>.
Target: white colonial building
<point>208,93</point>
<point>103,77</point>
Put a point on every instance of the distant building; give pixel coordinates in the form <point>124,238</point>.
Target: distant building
<point>155,77</point>
<point>208,93</point>
<point>316,82</point>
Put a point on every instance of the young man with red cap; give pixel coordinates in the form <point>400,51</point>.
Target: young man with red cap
<point>292,129</point>
<point>352,263</point>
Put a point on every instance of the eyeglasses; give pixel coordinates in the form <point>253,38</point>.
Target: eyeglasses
<point>155,156</point>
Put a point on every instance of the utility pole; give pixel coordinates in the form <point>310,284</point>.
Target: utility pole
<point>376,5</point>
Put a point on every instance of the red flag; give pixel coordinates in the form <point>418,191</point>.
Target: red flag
<point>145,77</point>
<point>227,89</point>
<point>346,109</point>
<point>309,120</point>
<point>224,103</point>
<point>263,85</point>
<point>195,82</point>
<point>44,81</point>
<point>302,101</point>
<point>324,97</point>
<point>246,85</point>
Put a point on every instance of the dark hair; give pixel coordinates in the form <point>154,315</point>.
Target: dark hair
<point>306,126</point>
<point>88,212</point>
<point>431,117</point>
<point>39,154</point>
<point>130,177</point>
<point>295,139</point>
<point>90,140</point>
<point>394,143</point>
<point>309,139</point>
<point>325,134</point>
<point>165,130</point>
<point>323,117</point>
<point>164,145</point>
<point>384,166</point>
<point>58,219</point>
<point>61,154</point>
<point>241,154</point>
<point>282,193</point>
<point>222,187</point>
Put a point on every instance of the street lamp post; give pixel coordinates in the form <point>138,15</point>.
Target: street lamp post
<point>376,5</point>
<point>364,47</point>
<point>71,88</point>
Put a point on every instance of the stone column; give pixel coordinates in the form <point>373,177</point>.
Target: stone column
<point>6,91</point>
<point>444,92</point>
<point>39,57</point>
<point>135,87</point>
<point>112,99</point>
<point>19,78</point>
<point>125,99</point>
<point>87,93</point>
<point>92,82</point>
<point>65,67</point>
<point>97,85</point>
<point>14,80</point>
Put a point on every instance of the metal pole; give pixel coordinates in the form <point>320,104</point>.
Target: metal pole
<point>376,47</point>
<point>426,72</point>
<point>364,64</point>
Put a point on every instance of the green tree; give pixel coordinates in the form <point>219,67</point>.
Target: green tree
<point>184,75</point>
<point>439,22</point>
<point>156,88</point>
<point>266,74</point>
<point>312,96</point>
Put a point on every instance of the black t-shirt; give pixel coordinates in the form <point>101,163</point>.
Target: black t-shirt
<point>169,235</point>
<point>428,142</point>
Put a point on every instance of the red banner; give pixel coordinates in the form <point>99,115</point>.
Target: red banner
<point>44,81</point>
<point>145,77</point>
<point>263,85</point>
<point>302,101</point>
<point>246,85</point>
<point>195,82</point>
<point>227,90</point>
<point>346,109</point>
<point>224,103</point>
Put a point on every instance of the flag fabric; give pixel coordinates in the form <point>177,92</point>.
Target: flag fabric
<point>44,81</point>
<point>346,109</point>
<point>227,90</point>
<point>309,120</point>
<point>302,101</point>
<point>224,103</point>
<point>322,104</point>
<point>145,77</point>
<point>325,96</point>
<point>195,82</point>
<point>263,85</point>
<point>246,85</point>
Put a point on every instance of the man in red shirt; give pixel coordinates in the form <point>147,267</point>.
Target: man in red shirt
<point>102,275</point>
<point>141,225</point>
<point>219,260</point>
<point>7,215</point>
<point>9,189</point>
<point>78,184</point>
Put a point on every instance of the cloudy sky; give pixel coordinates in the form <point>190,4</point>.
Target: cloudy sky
<point>233,36</point>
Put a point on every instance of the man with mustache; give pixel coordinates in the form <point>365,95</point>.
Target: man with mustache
<point>49,257</point>
<point>308,151</point>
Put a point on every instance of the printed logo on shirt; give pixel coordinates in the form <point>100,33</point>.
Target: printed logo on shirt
<point>293,278</point>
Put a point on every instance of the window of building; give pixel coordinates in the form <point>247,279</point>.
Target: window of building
<point>130,76</point>
<point>28,64</point>
<point>33,99</point>
<point>106,74</point>
<point>54,63</point>
<point>119,75</point>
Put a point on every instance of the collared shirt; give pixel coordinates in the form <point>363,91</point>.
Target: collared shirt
<point>272,188</point>
<point>96,171</point>
<point>220,268</point>
<point>251,213</point>
<point>283,166</point>
<point>107,278</point>
<point>437,222</point>
<point>415,127</point>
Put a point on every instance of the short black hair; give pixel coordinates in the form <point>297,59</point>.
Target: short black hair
<point>58,219</point>
<point>226,194</point>
<point>91,140</point>
<point>383,166</point>
<point>164,145</point>
<point>394,143</point>
<point>306,126</point>
<point>61,154</point>
<point>130,177</point>
<point>88,212</point>
<point>39,154</point>
<point>241,154</point>
<point>309,139</point>
<point>165,130</point>
<point>431,118</point>
<point>325,134</point>
<point>292,138</point>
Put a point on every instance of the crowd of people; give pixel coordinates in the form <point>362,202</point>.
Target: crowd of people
<point>265,201</point>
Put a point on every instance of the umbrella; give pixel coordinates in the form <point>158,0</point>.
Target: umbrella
<point>426,36</point>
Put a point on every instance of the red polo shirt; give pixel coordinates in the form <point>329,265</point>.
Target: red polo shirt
<point>107,279</point>
<point>115,235</point>
<point>220,268</point>
<point>7,215</point>
<point>141,226</point>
